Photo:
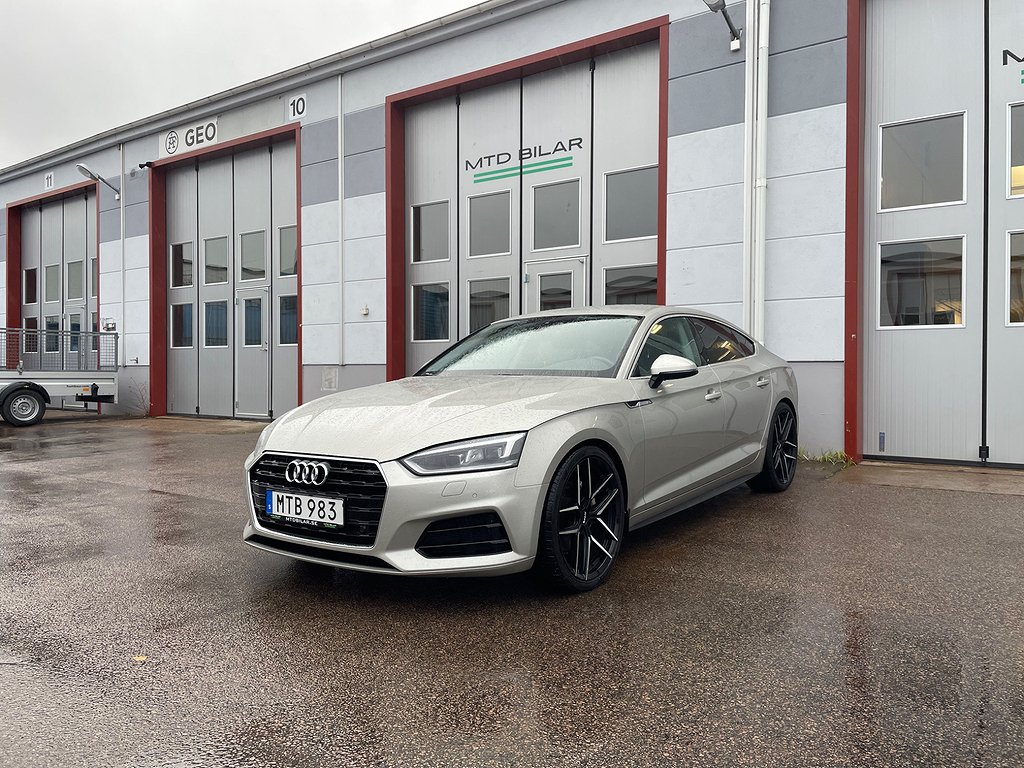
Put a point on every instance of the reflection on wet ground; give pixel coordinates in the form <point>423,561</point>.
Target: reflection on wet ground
<point>842,623</point>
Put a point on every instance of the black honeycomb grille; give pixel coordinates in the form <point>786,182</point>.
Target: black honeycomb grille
<point>481,533</point>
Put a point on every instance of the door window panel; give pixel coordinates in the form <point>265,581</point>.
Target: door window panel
<point>921,283</point>
<point>253,322</point>
<point>1016,307</point>
<point>95,344</point>
<point>288,333</point>
<point>94,270</point>
<point>631,204</point>
<point>181,265</point>
<point>254,255</point>
<point>430,312</point>
<point>488,301</point>
<point>556,215</point>
<point>216,269</point>
<point>181,325</point>
<point>216,323</point>
<point>30,344</point>
<point>719,343</point>
<point>556,291</point>
<point>76,280</point>
<point>490,221</point>
<point>631,285</point>
<point>75,326</point>
<point>1017,150</point>
<point>670,336</point>
<point>52,333</point>
<point>31,283</point>
<point>51,280</point>
<point>430,232</point>
<point>286,239</point>
<point>923,162</point>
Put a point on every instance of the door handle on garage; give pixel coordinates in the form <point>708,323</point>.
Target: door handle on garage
<point>712,395</point>
<point>763,382</point>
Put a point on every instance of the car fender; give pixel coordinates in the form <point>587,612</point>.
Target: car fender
<point>18,386</point>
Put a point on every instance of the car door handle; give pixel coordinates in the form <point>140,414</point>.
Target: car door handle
<point>763,382</point>
<point>712,395</point>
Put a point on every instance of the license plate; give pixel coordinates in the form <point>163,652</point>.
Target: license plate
<point>311,510</point>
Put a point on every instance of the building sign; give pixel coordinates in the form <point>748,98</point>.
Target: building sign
<point>536,159</point>
<point>1018,60</point>
<point>179,141</point>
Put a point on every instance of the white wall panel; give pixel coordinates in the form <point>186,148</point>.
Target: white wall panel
<point>136,316</point>
<point>136,348</point>
<point>806,267</point>
<point>808,204</point>
<point>365,343</point>
<point>705,217</point>
<point>110,288</point>
<point>320,305</point>
<point>710,275</point>
<point>136,252</point>
<point>136,285</point>
<point>321,263</point>
<point>321,344</point>
<point>110,257</point>
<point>366,259</point>
<point>364,216</point>
<point>320,223</point>
<point>805,329</point>
<point>365,293</point>
<point>712,158</point>
<point>807,141</point>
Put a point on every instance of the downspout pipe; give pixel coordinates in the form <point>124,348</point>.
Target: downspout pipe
<point>760,174</point>
<point>749,117</point>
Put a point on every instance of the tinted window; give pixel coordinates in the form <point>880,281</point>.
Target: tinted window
<point>254,255</point>
<point>1017,150</point>
<point>556,291</point>
<point>430,232</point>
<point>719,343</point>
<point>430,312</point>
<point>1017,277</point>
<point>288,257</point>
<point>216,323</point>
<point>76,279</point>
<point>631,285</point>
<point>670,336</point>
<point>253,317</point>
<point>923,162</point>
<point>556,215</point>
<point>488,301</point>
<point>920,283</point>
<point>288,332</point>
<point>489,219</point>
<point>181,265</point>
<point>181,325</point>
<point>31,343</point>
<point>52,333</point>
<point>31,286</point>
<point>51,282</point>
<point>631,204</point>
<point>216,260</point>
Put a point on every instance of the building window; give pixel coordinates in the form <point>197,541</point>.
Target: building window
<point>288,331</point>
<point>95,344</point>
<point>216,268</point>
<point>216,323</point>
<point>488,301</point>
<point>30,343</point>
<point>94,270</point>
<point>921,283</point>
<point>631,204</point>
<point>51,280</point>
<point>253,322</point>
<point>631,285</point>
<point>254,255</point>
<point>556,215</point>
<point>490,224</point>
<point>1017,150</point>
<point>1016,293</point>
<point>76,280</point>
<point>556,291</point>
<point>181,326</point>
<point>923,163</point>
<point>75,326</point>
<point>430,312</point>
<point>289,259</point>
<point>181,265</point>
<point>430,232</point>
<point>31,286</point>
<point>52,326</point>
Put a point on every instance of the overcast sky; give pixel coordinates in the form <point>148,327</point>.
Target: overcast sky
<point>72,69</point>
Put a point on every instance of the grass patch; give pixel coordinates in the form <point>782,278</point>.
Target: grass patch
<point>831,458</point>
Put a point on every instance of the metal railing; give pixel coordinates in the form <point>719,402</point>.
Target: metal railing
<point>55,351</point>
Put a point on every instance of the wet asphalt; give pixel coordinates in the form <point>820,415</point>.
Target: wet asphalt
<point>847,622</point>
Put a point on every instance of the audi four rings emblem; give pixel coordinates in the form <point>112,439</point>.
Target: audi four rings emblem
<point>306,472</point>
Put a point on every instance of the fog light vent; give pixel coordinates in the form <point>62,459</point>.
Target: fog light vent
<point>481,533</point>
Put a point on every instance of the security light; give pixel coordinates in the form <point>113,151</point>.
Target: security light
<point>90,174</point>
<point>719,5</point>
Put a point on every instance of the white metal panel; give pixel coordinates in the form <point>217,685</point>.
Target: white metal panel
<point>216,213</point>
<point>285,371</point>
<point>182,227</point>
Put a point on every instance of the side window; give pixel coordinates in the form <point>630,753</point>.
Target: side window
<point>670,336</point>
<point>720,343</point>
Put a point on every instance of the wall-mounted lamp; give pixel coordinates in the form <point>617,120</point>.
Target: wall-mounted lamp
<point>89,174</point>
<point>719,5</point>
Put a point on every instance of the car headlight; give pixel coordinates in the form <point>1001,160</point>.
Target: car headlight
<point>496,452</point>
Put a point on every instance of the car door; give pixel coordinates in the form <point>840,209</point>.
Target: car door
<point>746,388</point>
<point>683,418</point>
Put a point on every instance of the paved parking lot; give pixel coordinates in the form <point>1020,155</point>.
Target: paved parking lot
<point>855,620</point>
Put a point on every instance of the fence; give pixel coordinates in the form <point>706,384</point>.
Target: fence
<point>55,351</point>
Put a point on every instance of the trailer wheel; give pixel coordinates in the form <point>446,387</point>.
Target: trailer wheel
<point>23,409</point>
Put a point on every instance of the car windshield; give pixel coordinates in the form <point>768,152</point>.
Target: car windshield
<point>587,345</point>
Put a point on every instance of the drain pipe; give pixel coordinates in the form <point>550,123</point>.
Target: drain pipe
<point>749,119</point>
<point>761,173</point>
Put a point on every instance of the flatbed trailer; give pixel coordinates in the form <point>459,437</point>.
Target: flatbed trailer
<point>40,367</point>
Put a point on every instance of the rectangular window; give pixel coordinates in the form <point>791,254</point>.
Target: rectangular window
<point>488,301</point>
<point>94,271</point>
<point>430,312</point>
<point>921,283</point>
<point>31,284</point>
<point>1016,308</point>
<point>490,222</point>
<point>95,346</point>
<point>30,344</point>
<point>631,204</point>
<point>216,323</point>
<point>923,162</point>
<point>51,280</point>
<point>75,326</point>
<point>253,322</point>
<point>254,255</point>
<point>556,215</point>
<point>286,238</point>
<point>181,326</point>
<point>215,270</point>
<point>76,280</point>
<point>556,291</point>
<point>631,285</point>
<point>288,331</point>
<point>181,265</point>
<point>1017,150</point>
<point>430,232</point>
<point>52,331</point>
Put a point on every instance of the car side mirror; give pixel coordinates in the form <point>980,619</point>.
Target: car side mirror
<point>668,367</point>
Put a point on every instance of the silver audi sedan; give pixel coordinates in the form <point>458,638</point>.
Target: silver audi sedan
<point>537,442</point>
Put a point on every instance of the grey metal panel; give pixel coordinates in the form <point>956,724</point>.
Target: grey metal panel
<point>182,227</point>
<point>110,225</point>
<point>701,42</point>
<point>364,174</point>
<point>3,225</point>
<point>820,411</point>
<point>136,186</point>
<point>364,130</point>
<point>284,358</point>
<point>807,78</point>
<point>136,220</point>
<point>107,199</point>
<point>319,141</point>
<point>799,23</point>
<point>706,100</point>
<point>320,183</point>
<point>216,212</point>
<point>31,258</point>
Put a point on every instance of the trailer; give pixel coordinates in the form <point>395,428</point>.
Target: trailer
<point>39,368</point>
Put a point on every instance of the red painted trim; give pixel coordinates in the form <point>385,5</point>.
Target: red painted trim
<point>96,276</point>
<point>231,146</point>
<point>394,207</point>
<point>854,230</point>
<point>55,194</point>
<point>298,257</point>
<point>157,292</point>
<point>662,160</point>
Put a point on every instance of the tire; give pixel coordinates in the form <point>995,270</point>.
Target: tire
<point>584,522</point>
<point>780,458</point>
<point>23,408</point>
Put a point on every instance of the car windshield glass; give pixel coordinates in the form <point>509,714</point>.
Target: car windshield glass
<point>590,345</point>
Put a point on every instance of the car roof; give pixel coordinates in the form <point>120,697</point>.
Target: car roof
<point>629,310</point>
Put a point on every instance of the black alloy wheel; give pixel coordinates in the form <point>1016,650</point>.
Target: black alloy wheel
<point>781,455</point>
<point>584,521</point>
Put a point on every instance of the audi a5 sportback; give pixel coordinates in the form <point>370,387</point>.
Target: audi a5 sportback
<point>538,441</point>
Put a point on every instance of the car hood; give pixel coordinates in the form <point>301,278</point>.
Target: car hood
<point>388,421</point>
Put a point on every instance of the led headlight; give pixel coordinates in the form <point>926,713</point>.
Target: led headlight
<point>496,452</point>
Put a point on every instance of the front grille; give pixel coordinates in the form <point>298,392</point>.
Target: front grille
<point>481,533</point>
<point>359,483</point>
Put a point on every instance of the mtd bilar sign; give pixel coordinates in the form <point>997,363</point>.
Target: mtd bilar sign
<point>529,159</point>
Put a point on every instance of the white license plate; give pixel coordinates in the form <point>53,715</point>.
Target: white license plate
<point>306,509</point>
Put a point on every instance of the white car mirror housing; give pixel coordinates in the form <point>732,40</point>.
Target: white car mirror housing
<point>668,367</point>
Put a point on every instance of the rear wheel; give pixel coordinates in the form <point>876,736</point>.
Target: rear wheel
<point>584,521</point>
<point>24,408</point>
<point>780,457</point>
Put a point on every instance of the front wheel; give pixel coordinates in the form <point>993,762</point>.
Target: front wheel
<point>780,457</point>
<point>584,521</point>
<point>23,408</point>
